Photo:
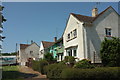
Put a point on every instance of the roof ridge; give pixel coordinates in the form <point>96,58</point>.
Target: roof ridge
<point>102,13</point>
<point>81,15</point>
<point>45,41</point>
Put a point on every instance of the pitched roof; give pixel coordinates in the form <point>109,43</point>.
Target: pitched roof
<point>60,39</point>
<point>47,44</point>
<point>89,18</point>
<point>83,18</point>
<point>23,46</point>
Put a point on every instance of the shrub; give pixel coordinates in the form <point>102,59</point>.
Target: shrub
<point>43,63</point>
<point>35,65</point>
<point>69,59</point>
<point>49,57</point>
<point>39,65</point>
<point>94,74</point>
<point>54,70</point>
<point>110,52</point>
<point>84,64</point>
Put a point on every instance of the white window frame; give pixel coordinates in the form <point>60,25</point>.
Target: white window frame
<point>108,32</point>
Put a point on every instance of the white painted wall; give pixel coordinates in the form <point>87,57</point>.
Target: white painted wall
<point>41,51</point>
<point>89,38</point>
<point>72,24</point>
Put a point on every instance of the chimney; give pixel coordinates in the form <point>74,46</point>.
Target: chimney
<point>94,12</point>
<point>55,39</point>
<point>32,41</point>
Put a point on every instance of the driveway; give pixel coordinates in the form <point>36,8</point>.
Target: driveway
<point>30,74</point>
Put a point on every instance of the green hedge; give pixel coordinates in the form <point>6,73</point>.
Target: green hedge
<point>54,70</point>
<point>96,73</point>
<point>39,65</point>
<point>35,65</point>
<point>83,64</point>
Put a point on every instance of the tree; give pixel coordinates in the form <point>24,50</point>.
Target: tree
<point>110,52</point>
<point>48,57</point>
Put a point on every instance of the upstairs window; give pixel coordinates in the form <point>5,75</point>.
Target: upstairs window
<point>108,32</point>
<point>68,36</point>
<point>75,33</point>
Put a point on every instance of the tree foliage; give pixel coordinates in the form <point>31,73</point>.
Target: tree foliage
<point>9,54</point>
<point>48,57</point>
<point>110,52</point>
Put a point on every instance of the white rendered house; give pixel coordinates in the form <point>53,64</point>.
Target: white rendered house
<point>83,35</point>
<point>44,48</point>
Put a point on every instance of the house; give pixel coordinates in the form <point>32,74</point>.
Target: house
<point>83,35</point>
<point>28,51</point>
<point>57,49</point>
<point>44,48</point>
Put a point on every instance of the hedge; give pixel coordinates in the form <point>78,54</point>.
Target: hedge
<point>96,73</point>
<point>39,65</point>
<point>54,70</point>
<point>84,64</point>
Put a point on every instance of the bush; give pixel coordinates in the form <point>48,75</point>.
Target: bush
<point>94,74</point>
<point>54,70</point>
<point>43,63</point>
<point>49,57</point>
<point>39,65</point>
<point>69,59</point>
<point>35,65</point>
<point>110,52</point>
<point>84,64</point>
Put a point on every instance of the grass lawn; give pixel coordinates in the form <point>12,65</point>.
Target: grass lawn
<point>11,73</point>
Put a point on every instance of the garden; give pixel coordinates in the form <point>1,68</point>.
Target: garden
<point>84,69</point>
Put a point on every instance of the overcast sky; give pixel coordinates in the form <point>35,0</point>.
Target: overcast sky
<point>40,21</point>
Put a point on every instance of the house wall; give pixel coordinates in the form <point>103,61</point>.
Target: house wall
<point>24,54</point>
<point>22,57</point>
<point>41,51</point>
<point>35,51</point>
<point>95,34</point>
<point>72,24</point>
<point>53,51</point>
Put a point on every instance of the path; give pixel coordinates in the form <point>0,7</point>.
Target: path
<point>30,74</point>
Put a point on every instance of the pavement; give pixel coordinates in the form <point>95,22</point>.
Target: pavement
<point>29,74</point>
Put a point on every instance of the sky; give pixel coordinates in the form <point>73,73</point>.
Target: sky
<point>41,21</point>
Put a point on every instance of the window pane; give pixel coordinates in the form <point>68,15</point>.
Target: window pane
<point>108,32</point>
<point>75,52</point>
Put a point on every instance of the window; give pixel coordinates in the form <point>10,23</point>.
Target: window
<point>31,52</point>
<point>68,36</point>
<point>61,57</point>
<point>71,34</point>
<point>74,52</point>
<point>70,52</point>
<point>75,33</point>
<point>108,32</point>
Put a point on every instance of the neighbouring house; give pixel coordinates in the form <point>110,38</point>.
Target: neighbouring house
<point>44,48</point>
<point>28,51</point>
<point>57,49</point>
<point>83,35</point>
